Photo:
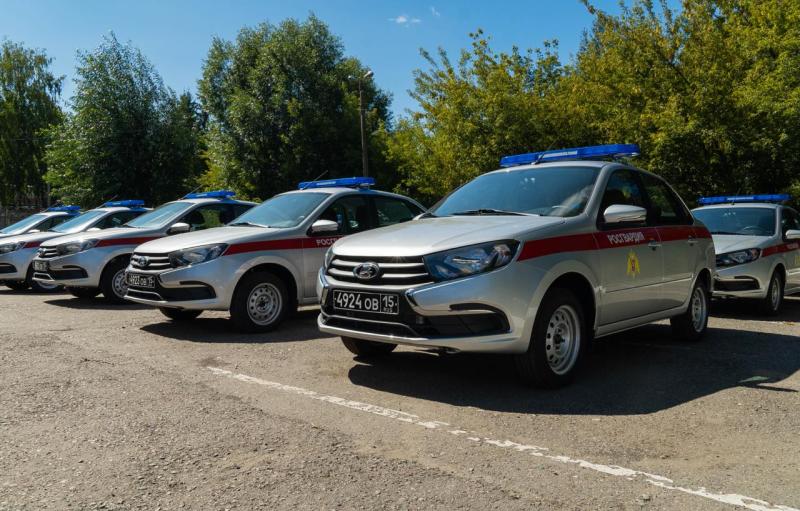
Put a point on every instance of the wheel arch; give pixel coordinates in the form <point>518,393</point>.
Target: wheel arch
<point>280,271</point>
<point>578,284</point>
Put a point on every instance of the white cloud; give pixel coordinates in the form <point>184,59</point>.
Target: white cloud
<point>406,20</point>
<point>435,12</point>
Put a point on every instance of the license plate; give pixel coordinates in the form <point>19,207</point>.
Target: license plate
<point>136,280</point>
<point>40,266</point>
<point>379,303</point>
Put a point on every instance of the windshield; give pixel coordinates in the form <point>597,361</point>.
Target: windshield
<point>23,225</point>
<point>287,210</point>
<point>79,223</point>
<point>160,216</point>
<point>546,191</point>
<point>743,221</point>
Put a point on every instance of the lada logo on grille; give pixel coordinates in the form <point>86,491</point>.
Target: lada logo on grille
<point>366,271</point>
<point>141,261</point>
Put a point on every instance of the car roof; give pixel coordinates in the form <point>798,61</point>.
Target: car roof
<point>345,190</point>
<point>211,200</point>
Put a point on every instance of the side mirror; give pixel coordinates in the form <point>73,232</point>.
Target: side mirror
<point>324,227</point>
<point>792,234</point>
<point>179,228</point>
<point>623,213</point>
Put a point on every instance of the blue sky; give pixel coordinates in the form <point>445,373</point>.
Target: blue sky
<point>384,35</point>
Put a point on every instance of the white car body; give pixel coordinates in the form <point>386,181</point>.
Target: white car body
<point>37,222</point>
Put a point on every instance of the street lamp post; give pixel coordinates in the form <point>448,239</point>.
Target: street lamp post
<point>364,159</point>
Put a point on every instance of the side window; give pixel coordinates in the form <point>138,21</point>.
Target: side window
<point>665,207</point>
<point>116,219</point>
<point>623,188</point>
<point>239,210</point>
<point>351,213</point>
<point>208,216</point>
<point>394,211</point>
<point>53,221</point>
<point>789,220</point>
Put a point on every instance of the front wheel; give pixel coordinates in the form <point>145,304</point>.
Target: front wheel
<point>40,287</point>
<point>367,349</point>
<point>179,314</point>
<point>112,282</point>
<point>691,325</point>
<point>260,302</point>
<point>559,341</point>
<point>84,293</point>
<point>770,305</point>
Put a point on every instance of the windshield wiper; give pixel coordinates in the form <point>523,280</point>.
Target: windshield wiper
<point>732,233</point>
<point>487,211</point>
<point>248,224</point>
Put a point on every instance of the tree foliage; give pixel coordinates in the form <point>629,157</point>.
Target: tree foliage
<point>283,107</point>
<point>29,95</point>
<point>128,134</point>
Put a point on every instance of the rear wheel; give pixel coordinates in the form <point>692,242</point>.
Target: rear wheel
<point>691,325</point>
<point>179,314</point>
<point>367,349</point>
<point>112,281</point>
<point>559,340</point>
<point>770,305</point>
<point>260,302</point>
<point>83,292</point>
<point>16,285</point>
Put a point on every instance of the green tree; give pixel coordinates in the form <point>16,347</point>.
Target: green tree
<point>128,134</point>
<point>283,108</point>
<point>29,95</point>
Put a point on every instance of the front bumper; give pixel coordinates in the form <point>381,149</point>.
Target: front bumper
<point>749,280</point>
<point>485,313</point>
<point>204,286</point>
<point>82,269</point>
<point>14,265</point>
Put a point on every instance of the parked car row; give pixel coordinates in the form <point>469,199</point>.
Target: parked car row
<point>536,260</point>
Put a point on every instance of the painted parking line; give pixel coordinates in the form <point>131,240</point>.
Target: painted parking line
<point>666,483</point>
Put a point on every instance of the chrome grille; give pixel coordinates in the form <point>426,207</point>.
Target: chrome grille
<point>393,271</point>
<point>47,252</point>
<point>150,262</point>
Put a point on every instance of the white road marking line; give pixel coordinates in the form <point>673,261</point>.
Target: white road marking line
<point>613,470</point>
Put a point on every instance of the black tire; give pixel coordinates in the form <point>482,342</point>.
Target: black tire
<point>179,314</point>
<point>692,324</point>
<point>84,293</point>
<point>367,349</point>
<point>770,305</point>
<point>551,360</point>
<point>264,295</point>
<point>16,285</point>
<point>111,273</point>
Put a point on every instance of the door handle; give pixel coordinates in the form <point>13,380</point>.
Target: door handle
<point>654,244</point>
<point>691,240</point>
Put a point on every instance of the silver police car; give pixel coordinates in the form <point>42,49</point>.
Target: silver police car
<point>17,252</point>
<point>535,259</point>
<point>264,264</point>
<point>92,262</point>
<point>757,241</point>
<point>41,221</point>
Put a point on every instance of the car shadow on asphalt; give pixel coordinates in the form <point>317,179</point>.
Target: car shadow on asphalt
<point>98,303</point>
<point>641,371</point>
<point>29,292</point>
<point>748,310</point>
<point>301,326</point>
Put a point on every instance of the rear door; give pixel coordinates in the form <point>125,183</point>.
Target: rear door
<point>790,220</point>
<point>630,256</point>
<point>678,243</point>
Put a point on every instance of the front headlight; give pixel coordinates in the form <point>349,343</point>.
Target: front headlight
<point>328,258</point>
<point>195,255</point>
<point>465,261</point>
<point>11,247</point>
<point>73,247</point>
<point>738,257</point>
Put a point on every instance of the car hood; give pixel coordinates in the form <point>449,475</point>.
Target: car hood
<point>32,237</point>
<point>429,235</point>
<point>724,243</point>
<point>227,235</point>
<point>105,234</point>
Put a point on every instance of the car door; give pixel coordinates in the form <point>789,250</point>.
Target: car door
<point>353,214</point>
<point>630,258</point>
<point>790,220</point>
<point>678,242</point>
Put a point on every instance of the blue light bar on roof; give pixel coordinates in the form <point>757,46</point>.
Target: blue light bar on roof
<point>65,209</point>
<point>349,182</point>
<point>575,153</point>
<point>764,197</point>
<point>132,203</point>
<point>216,194</point>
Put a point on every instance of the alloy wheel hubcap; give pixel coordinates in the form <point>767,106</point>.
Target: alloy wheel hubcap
<point>775,296</point>
<point>119,285</point>
<point>699,310</point>
<point>563,339</point>
<point>264,304</point>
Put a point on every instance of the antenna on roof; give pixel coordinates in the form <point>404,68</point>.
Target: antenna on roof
<point>308,183</point>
